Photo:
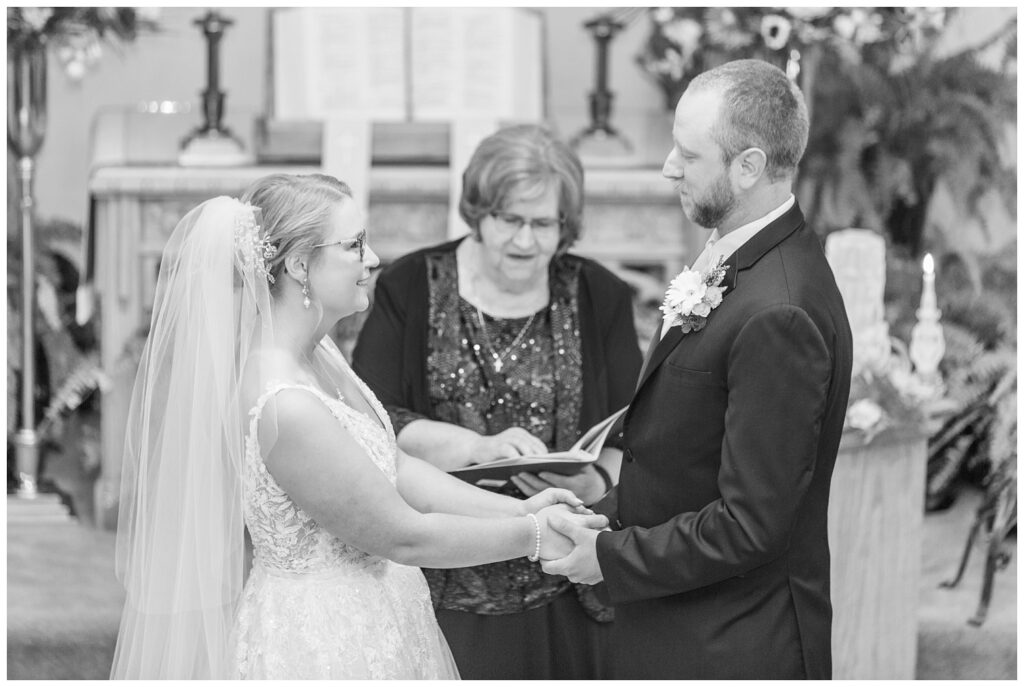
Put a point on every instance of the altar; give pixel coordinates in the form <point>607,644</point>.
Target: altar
<point>875,530</point>
<point>632,221</point>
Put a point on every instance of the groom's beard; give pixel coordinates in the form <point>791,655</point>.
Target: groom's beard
<point>716,204</point>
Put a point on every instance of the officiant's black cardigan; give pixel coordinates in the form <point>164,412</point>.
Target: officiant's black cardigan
<point>396,368</point>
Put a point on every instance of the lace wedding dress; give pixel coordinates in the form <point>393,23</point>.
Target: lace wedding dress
<point>315,607</point>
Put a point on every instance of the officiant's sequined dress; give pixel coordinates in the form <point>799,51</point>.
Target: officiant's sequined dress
<point>315,607</point>
<point>425,351</point>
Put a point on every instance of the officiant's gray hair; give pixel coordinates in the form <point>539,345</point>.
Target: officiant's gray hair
<point>296,211</point>
<point>520,163</point>
<point>761,108</point>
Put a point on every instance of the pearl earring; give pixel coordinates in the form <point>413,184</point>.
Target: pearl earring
<point>305,293</point>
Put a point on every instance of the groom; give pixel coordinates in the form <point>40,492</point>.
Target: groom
<point>718,562</point>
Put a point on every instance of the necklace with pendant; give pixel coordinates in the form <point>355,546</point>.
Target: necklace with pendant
<point>498,359</point>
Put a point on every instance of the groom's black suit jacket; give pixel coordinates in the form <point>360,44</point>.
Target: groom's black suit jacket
<point>719,565</point>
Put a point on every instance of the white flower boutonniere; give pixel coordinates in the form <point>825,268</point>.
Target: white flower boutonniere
<point>691,297</point>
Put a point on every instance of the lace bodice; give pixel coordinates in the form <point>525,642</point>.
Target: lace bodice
<point>315,607</point>
<point>285,537</point>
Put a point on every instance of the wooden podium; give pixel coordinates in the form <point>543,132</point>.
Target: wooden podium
<point>875,530</point>
<point>632,219</point>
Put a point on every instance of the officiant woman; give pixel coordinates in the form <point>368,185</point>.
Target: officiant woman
<point>498,344</point>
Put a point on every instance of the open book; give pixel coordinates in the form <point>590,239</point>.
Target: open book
<point>583,452</point>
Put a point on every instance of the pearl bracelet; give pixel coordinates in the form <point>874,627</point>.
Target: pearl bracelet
<point>536,528</point>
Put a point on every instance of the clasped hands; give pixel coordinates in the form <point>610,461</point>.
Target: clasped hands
<point>568,535</point>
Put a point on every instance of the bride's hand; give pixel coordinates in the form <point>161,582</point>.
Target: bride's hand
<point>554,544</point>
<point>553,497</point>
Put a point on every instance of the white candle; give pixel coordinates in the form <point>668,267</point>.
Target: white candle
<point>928,301</point>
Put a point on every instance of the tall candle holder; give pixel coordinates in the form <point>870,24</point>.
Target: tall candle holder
<point>927,343</point>
<point>213,143</point>
<point>26,129</point>
<point>600,140</point>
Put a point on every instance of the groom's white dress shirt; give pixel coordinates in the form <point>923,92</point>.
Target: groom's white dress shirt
<point>718,246</point>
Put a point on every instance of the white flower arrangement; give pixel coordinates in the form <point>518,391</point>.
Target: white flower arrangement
<point>685,41</point>
<point>864,415</point>
<point>691,297</point>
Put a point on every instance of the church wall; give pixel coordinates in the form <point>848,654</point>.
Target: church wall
<point>170,65</point>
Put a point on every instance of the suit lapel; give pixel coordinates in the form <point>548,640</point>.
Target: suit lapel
<point>748,254</point>
<point>655,340</point>
<point>660,347</point>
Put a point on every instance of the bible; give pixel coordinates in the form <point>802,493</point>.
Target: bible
<point>584,452</point>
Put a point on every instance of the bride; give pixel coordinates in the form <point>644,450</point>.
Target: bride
<point>246,416</point>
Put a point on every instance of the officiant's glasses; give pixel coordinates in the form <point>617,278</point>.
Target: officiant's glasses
<point>543,227</point>
<point>359,243</point>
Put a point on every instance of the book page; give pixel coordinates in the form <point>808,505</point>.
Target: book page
<point>393,63</point>
<point>466,134</point>
<point>529,62</point>
<point>434,57</point>
<point>290,87</point>
<point>345,155</point>
<point>565,462</point>
<point>348,61</point>
<point>591,442</point>
<point>475,62</point>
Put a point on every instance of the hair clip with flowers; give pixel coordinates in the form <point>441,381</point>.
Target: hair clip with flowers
<point>254,253</point>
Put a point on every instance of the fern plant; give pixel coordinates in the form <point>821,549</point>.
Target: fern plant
<point>69,370</point>
<point>906,123</point>
<point>978,438</point>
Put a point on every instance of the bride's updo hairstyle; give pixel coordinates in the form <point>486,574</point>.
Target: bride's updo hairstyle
<point>296,209</point>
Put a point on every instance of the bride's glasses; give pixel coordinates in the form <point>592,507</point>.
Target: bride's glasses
<point>359,243</point>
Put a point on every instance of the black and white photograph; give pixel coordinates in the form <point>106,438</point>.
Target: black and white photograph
<point>512,343</point>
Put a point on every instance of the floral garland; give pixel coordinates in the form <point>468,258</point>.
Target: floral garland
<point>254,253</point>
<point>685,41</point>
<point>76,33</point>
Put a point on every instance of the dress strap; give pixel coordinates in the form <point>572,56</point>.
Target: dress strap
<point>272,389</point>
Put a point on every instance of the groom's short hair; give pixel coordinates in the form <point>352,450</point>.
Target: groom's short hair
<point>761,108</point>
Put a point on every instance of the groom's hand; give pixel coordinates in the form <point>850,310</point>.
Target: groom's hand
<point>587,483</point>
<point>580,565</point>
<point>553,543</point>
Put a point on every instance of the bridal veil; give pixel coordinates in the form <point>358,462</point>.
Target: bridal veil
<point>180,539</point>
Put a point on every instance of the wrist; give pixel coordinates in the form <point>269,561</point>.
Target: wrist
<point>533,549</point>
<point>474,448</point>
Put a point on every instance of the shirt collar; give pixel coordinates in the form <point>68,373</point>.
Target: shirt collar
<point>731,242</point>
